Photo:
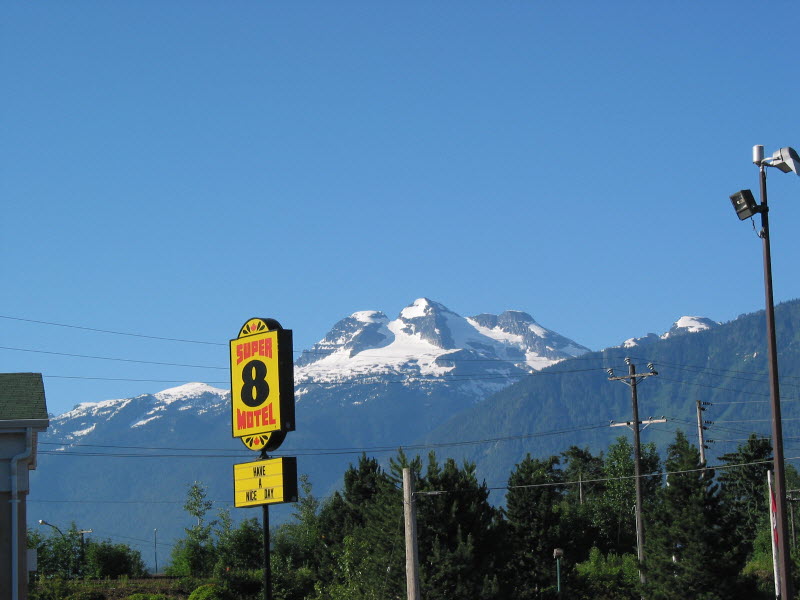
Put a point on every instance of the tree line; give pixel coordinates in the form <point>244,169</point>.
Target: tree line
<point>706,532</point>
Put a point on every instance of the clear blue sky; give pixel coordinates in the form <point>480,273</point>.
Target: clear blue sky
<point>174,168</point>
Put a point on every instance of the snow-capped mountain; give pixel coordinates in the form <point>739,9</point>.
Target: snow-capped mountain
<point>129,414</point>
<point>428,345</point>
<point>119,465</point>
<point>682,326</point>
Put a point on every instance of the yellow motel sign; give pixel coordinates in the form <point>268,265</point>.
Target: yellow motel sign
<point>262,384</point>
<point>271,481</point>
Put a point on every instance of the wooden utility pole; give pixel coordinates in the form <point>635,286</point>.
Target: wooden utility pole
<point>410,518</point>
<point>700,428</point>
<point>631,380</point>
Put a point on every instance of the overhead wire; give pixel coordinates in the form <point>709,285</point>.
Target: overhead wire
<point>218,452</point>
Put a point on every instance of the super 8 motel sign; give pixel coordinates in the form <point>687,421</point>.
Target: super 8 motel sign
<point>262,384</point>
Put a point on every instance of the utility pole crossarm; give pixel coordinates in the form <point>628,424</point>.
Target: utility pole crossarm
<point>625,378</point>
<point>649,421</point>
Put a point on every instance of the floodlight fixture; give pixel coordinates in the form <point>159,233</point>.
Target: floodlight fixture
<point>745,204</point>
<point>786,159</point>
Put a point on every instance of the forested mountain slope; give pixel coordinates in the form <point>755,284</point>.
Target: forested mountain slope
<point>573,402</point>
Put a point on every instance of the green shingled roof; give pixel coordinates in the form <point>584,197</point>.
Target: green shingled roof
<point>22,396</point>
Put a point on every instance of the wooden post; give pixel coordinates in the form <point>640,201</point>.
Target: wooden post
<point>410,518</point>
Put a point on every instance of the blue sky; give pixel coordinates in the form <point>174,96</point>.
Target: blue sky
<point>173,168</point>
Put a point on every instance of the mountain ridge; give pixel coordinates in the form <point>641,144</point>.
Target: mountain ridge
<point>133,457</point>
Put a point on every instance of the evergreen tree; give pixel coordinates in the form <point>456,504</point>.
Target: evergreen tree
<point>744,490</point>
<point>361,531</point>
<point>583,467</point>
<point>584,485</point>
<point>688,546</point>
<point>533,512</point>
<point>458,535</point>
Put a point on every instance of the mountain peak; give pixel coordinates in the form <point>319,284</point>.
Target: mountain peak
<point>693,324</point>
<point>187,391</point>
<point>682,326</point>
<point>429,340</point>
<point>422,307</point>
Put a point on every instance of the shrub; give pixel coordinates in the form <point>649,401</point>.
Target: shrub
<point>208,592</point>
<point>87,595</point>
<point>50,589</point>
<point>242,584</point>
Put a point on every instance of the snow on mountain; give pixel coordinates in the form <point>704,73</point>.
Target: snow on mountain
<point>682,326</point>
<point>132,413</point>
<point>428,344</point>
<point>690,325</point>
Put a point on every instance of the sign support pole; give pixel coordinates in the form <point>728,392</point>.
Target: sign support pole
<point>267,564</point>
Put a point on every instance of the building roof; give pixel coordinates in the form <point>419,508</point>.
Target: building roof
<point>22,397</point>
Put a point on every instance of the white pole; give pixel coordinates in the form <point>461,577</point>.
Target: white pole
<point>773,521</point>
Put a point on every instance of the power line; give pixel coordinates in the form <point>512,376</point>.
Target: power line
<point>130,360</point>
<point>301,451</point>
<point>108,331</point>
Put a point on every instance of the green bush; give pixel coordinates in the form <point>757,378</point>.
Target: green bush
<point>87,595</point>
<point>50,589</point>
<point>142,596</point>
<point>208,592</point>
<point>242,584</point>
<point>185,585</point>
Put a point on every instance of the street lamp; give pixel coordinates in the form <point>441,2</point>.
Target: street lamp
<point>82,532</point>
<point>786,159</point>
<point>558,553</point>
<point>43,522</point>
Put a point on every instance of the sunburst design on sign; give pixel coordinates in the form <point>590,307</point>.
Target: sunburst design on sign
<point>255,442</point>
<point>253,326</point>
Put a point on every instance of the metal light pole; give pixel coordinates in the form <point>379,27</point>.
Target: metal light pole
<point>155,549</point>
<point>557,554</point>
<point>785,159</point>
<point>61,533</point>
<point>775,398</point>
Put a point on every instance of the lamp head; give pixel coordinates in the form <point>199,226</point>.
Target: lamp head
<point>786,159</point>
<point>744,204</point>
